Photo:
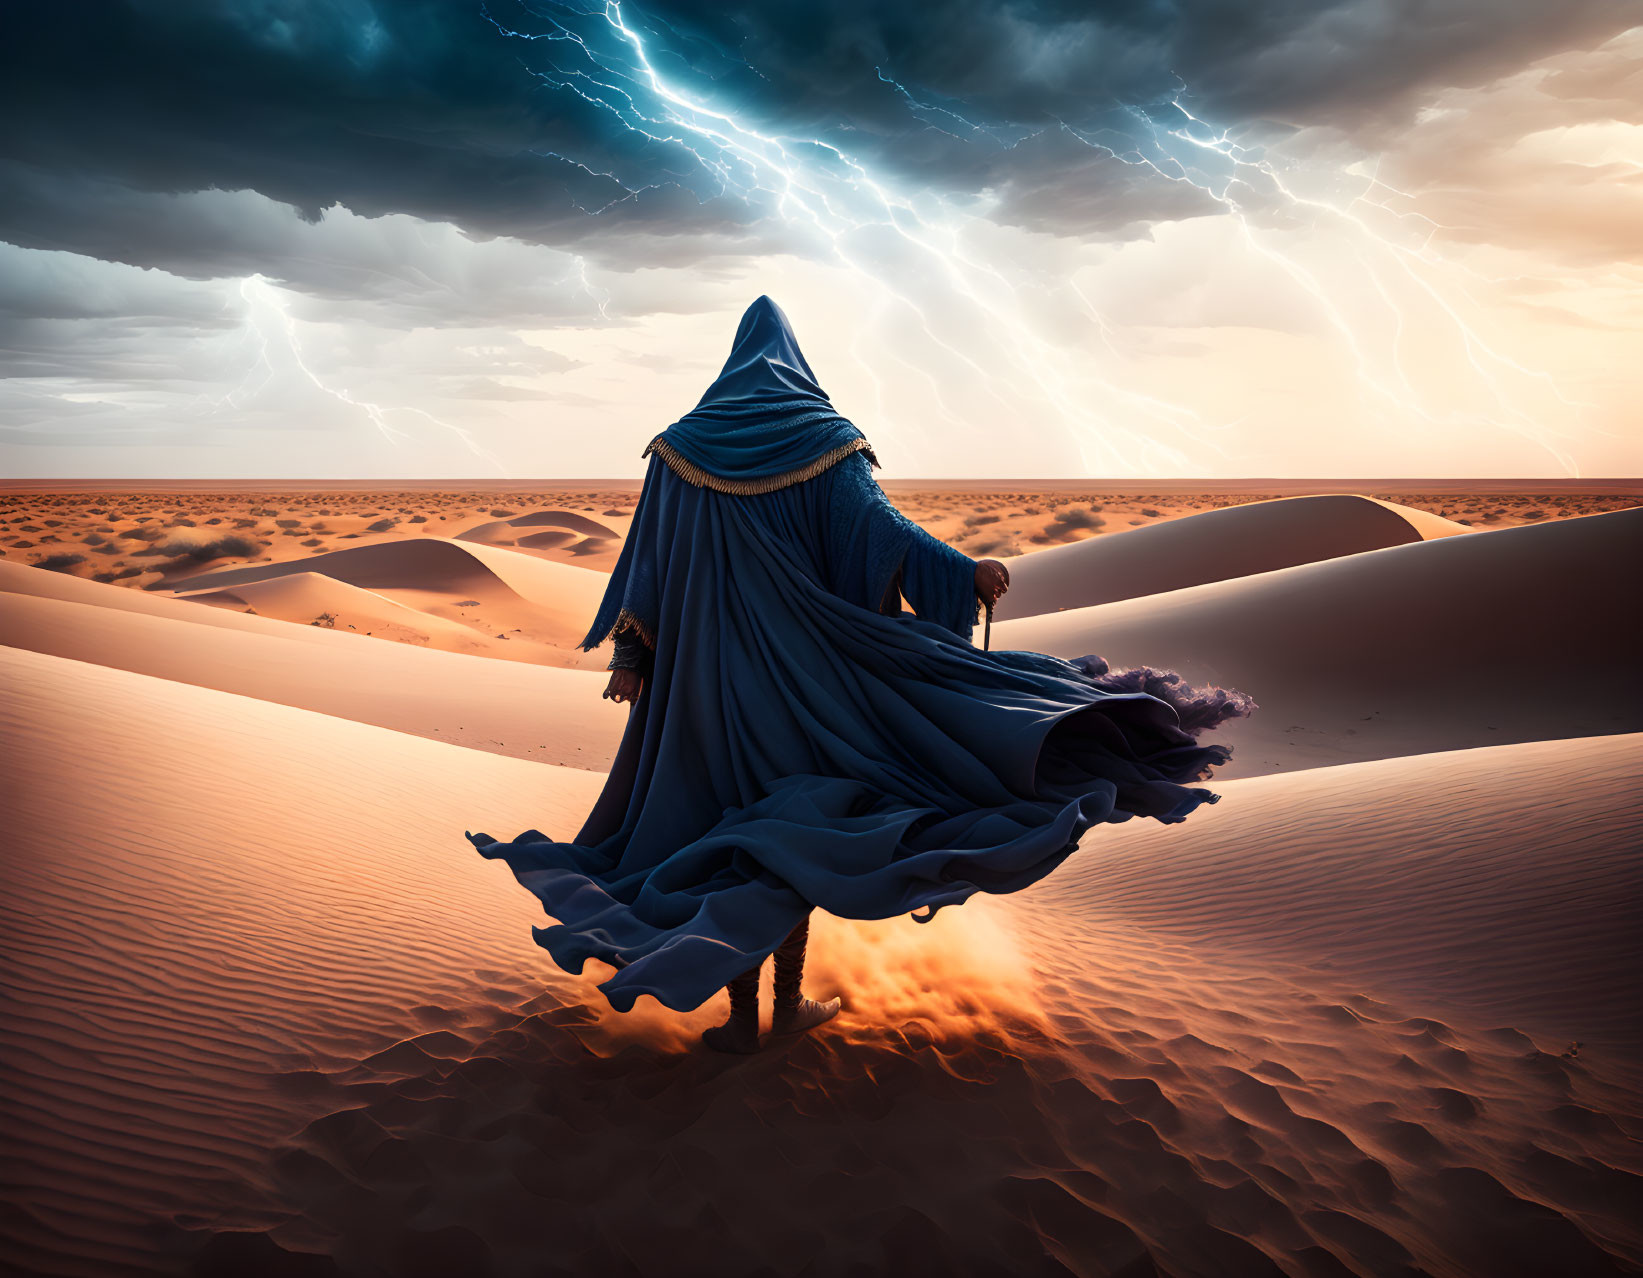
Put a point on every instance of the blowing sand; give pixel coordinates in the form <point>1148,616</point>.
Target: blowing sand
<point>1373,1013</point>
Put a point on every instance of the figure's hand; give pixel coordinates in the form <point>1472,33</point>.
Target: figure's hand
<point>992,580</point>
<point>624,685</point>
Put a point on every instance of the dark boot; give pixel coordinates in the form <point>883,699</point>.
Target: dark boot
<point>795,1013</point>
<point>740,1033</point>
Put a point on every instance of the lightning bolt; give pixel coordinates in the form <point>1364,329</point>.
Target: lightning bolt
<point>1485,360</point>
<point>263,298</point>
<point>850,214</point>
<point>845,213</point>
<point>268,322</point>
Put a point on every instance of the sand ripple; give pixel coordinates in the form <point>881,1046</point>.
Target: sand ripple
<point>264,1015</point>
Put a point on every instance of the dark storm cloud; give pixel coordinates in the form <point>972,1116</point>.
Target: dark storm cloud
<point>1030,61</point>
<point>1055,182</point>
<point>427,107</point>
<point>420,108</point>
<point>410,273</point>
<point>970,95</point>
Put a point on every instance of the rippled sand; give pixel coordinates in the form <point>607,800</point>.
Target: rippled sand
<point>1374,1012</point>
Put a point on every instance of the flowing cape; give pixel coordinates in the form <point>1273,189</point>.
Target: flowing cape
<point>801,742</point>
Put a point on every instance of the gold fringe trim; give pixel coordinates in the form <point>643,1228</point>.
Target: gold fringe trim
<point>694,474</point>
<point>629,621</point>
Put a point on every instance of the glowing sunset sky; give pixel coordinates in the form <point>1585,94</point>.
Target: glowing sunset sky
<point>294,238</point>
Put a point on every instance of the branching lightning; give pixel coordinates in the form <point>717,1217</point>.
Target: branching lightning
<point>263,300</point>
<point>919,253</point>
<point>1250,166</point>
<point>834,201</point>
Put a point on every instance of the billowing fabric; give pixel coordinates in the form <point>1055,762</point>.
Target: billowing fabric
<point>801,743</point>
<point>764,415</point>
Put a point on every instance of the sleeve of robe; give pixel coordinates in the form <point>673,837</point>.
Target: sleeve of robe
<point>631,603</point>
<point>629,652</point>
<point>877,556</point>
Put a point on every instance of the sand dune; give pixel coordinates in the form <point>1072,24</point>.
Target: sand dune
<point>147,539</point>
<point>309,598</point>
<point>242,1025</point>
<point>312,599</point>
<point>32,583</point>
<point>1514,635</point>
<point>432,565</point>
<point>1235,541</point>
<point>508,529</point>
<point>502,707</point>
<point>547,540</point>
<point>266,1012</point>
<point>563,533</point>
<point>242,897</point>
<point>1331,872</point>
<point>503,594</point>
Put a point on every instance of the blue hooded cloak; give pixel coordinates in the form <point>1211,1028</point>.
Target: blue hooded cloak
<point>800,741</point>
<point>764,423</point>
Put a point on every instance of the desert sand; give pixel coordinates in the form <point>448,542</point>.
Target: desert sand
<point>1517,635</point>
<point>1372,1013</point>
<point>1233,541</point>
<point>504,707</point>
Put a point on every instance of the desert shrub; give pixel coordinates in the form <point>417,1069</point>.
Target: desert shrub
<point>201,551</point>
<point>1073,517</point>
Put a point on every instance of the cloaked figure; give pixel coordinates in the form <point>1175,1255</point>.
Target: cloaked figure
<point>798,741</point>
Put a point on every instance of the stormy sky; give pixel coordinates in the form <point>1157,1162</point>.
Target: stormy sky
<point>433,238</point>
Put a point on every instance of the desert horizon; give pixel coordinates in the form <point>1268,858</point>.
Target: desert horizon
<point>1381,485</point>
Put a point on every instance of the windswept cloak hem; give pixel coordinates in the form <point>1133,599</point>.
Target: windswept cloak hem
<point>842,845</point>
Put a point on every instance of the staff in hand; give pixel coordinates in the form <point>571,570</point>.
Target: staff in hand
<point>992,580</point>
